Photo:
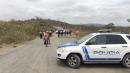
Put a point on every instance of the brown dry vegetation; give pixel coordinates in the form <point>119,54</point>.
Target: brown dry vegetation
<point>19,31</point>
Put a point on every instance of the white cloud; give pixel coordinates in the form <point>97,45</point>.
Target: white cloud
<point>72,11</point>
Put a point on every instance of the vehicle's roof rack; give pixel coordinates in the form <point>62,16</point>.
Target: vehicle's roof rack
<point>105,30</point>
<point>110,31</point>
<point>124,32</point>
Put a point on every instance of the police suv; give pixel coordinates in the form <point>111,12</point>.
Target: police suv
<point>97,48</point>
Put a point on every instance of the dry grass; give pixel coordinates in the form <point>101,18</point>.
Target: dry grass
<point>12,33</point>
<point>20,31</point>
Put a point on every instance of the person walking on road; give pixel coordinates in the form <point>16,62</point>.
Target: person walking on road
<point>62,33</point>
<point>46,38</point>
<point>50,34</point>
<point>40,34</point>
<point>58,33</point>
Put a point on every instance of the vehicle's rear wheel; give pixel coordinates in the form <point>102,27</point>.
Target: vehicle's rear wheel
<point>73,61</point>
<point>126,61</point>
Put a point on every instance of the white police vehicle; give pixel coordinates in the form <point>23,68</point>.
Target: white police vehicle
<point>97,48</point>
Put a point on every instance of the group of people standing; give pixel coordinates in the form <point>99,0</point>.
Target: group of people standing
<point>45,35</point>
<point>64,33</point>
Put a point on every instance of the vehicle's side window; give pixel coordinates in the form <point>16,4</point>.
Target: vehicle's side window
<point>97,40</point>
<point>115,39</point>
<point>128,37</point>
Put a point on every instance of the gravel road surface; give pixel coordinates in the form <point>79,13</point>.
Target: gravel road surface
<point>34,57</point>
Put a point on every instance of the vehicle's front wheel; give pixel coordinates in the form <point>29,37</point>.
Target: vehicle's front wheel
<point>126,61</point>
<point>73,61</point>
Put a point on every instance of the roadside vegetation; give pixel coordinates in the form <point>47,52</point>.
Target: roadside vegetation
<point>19,31</point>
<point>11,32</point>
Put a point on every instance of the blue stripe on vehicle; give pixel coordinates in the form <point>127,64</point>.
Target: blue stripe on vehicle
<point>68,44</point>
<point>85,52</point>
<point>88,57</point>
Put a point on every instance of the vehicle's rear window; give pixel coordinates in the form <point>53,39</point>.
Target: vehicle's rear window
<point>115,39</point>
<point>128,37</point>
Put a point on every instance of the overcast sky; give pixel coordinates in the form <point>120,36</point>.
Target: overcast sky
<point>71,11</point>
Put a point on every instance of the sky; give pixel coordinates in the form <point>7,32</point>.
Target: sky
<point>71,11</point>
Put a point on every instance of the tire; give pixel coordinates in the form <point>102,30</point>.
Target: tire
<point>73,61</point>
<point>46,42</point>
<point>126,61</point>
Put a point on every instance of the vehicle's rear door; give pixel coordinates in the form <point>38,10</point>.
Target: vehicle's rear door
<point>115,45</point>
<point>105,48</point>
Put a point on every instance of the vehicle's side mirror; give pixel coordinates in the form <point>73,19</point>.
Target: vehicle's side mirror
<point>88,43</point>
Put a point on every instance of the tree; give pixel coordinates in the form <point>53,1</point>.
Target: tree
<point>128,20</point>
<point>110,25</point>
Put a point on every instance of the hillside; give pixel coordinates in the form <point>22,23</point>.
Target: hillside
<point>17,31</point>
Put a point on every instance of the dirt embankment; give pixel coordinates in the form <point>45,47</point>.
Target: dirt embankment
<point>4,48</point>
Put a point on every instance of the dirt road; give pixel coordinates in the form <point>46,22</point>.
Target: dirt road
<point>33,57</point>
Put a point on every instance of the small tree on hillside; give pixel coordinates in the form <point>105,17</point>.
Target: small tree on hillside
<point>109,26</point>
<point>128,20</point>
